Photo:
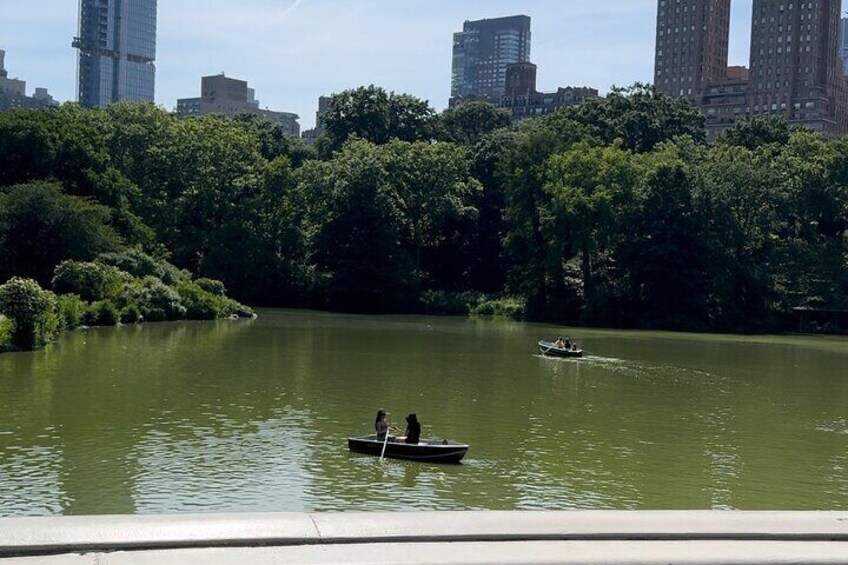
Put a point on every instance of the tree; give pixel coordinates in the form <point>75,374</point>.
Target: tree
<point>434,188</point>
<point>32,311</point>
<point>40,226</point>
<point>372,114</point>
<point>356,226</point>
<point>589,191</point>
<point>664,259</point>
<point>640,116</point>
<point>754,132</point>
<point>468,123</point>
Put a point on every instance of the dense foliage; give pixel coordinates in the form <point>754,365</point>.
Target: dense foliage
<point>613,212</point>
<point>97,293</point>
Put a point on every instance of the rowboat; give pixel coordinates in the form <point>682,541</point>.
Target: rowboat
<point>549,348</point>
<point>426,450</point>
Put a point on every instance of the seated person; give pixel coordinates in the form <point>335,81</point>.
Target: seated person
<point>559,343</point>
<point>567,343</point>
<point>381,426</point>
<point>413,429</point>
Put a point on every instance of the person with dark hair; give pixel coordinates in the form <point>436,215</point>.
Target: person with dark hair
<point>413,429</point>
<point>381,426</point>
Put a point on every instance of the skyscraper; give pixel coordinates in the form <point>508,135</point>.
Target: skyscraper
<point>691,48</point>
<point>795,68</point>
<point>117,50</point>
<point>483,50</point>
<point>843,46</point>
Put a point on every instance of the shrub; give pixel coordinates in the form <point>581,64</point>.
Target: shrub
<point>201,304</point>
<point>6,327</point>
<point>139,264</point>
<point>234,308</point>
<point>102,313</point>
<point>154,299</point>
<point>32,311</point>
<point>91,281</point>
<point>71,311</point>
<point>507,307</point>
<point>130,314</point>
<point>211,285</point>
<point>450,303</point>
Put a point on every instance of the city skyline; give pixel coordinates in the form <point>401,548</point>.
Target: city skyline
<point>296,51</point>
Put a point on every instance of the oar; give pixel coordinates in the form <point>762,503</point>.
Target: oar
<point>548,349</point>
<point>385,441</point>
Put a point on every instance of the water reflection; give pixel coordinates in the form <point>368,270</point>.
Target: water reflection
<point>254,417</point>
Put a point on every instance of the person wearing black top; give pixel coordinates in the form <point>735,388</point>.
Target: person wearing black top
<point>413,429</point>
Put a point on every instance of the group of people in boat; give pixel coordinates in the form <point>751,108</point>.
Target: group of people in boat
<point>382,427</point>
<point>568,345</point>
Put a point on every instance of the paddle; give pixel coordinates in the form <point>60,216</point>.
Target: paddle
<point>385,441</point>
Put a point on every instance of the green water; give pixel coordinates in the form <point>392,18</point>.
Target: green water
<point>254,416</point>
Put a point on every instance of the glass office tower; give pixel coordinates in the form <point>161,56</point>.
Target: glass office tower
<point>117,50</point>
<point>483,50</point>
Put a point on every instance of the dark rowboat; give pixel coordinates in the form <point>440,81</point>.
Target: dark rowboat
<point>427,450</point>
<point>548,348</point>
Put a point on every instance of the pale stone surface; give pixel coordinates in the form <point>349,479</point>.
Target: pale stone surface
<point>687,537</point>
<point>471,553</point>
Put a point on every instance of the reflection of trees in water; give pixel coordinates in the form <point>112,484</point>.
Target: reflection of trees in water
<point>97,389</point>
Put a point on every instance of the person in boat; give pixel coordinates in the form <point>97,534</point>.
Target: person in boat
<point>567,343</point>
<point>413,429</point>
<point>559,343</point>
<point>381,426</point>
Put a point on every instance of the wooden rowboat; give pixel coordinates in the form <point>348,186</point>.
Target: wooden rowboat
<point>426,450</point>
<point>548,348</point>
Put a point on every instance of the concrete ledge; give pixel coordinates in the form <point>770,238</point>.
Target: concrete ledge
<point>357,533</point>
<point>480,553</point>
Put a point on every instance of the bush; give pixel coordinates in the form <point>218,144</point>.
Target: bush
<point>6,327</point>
<point>71,311</point>
<point>234,308</point>
<point>212,285</point>
<point>450,303</point>
<point>140,265</point>
<point>91,281</point>
<point>102,313</point>
<point>201,304</point>
<point>154,299</point>
<point>507,307</point>
<point>130,314</point>
<point>32,311</point>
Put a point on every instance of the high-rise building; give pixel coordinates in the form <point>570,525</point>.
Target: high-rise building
<point>691,48</point>
<point>13,91</point>
<point>483,50</point>
<point>117,50</point>
<point>224,96</point>
<point>843,46</point>
<point>795,67</point>
<point>310,136</point>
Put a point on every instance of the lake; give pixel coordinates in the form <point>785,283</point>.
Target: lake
<point>254,416</point>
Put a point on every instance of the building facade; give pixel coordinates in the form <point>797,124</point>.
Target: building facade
<point>483,50</point>
<point>310,136</point>
<point>117,51</point>
<point>13,91</point>
<point>795,70</point>
<point>524,101</point>
<point>843,46</point>
<point>691,45</point>
<point>225,96</point>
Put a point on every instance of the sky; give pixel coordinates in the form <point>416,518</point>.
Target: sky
<point>293,51</point>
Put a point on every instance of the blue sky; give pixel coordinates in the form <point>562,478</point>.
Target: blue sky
<point>292,51</point>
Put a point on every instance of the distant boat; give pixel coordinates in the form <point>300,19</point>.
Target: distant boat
<point>550,348</point>
<point>426,450</point>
